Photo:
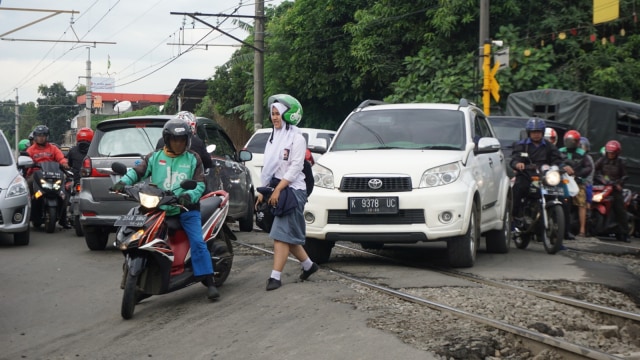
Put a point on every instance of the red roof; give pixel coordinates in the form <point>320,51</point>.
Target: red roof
<point>112,97</point>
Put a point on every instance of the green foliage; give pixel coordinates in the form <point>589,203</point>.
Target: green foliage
<point>56,108</point>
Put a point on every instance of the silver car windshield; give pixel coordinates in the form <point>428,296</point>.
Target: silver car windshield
<point>132,140</point>
<point>402,129</point>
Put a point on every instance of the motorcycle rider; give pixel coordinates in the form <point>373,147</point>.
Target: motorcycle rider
<point>585,144</point>
<point>42,150</point>
<point>197,144</point>
<point>532,150</point>
<point>574,156</point>
<point>77,153</point>
<point>166,168</point>
<point>611,168</point>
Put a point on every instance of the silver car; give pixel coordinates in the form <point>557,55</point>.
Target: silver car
<point>15,203</point>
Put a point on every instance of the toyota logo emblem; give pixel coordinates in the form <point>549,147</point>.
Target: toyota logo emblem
<point>375,184</point>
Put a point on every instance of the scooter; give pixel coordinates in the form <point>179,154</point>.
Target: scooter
<point>156,248</point>
<point>49,195</point>
<point>543,214</point>
<point>602,220</point>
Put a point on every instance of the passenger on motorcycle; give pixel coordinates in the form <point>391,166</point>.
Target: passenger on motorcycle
<point>77,153</point>
<point>610,168</point>
<point>550,135</point>
<point>42,150</point>
<point>576,158</point>
<point>588,181</point>
<point>166,168</point>
<point>533,150</point>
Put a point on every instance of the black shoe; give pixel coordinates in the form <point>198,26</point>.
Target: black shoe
<point>212,290</point>
<point>273,284</point>
<point>64,224</point>
<point>306,273</point>
<point>570,236</point>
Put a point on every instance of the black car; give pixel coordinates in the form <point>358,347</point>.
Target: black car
<point>510,129</point>
<point>128,140</point>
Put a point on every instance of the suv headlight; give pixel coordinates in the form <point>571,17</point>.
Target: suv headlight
<point>18,187</point>
<point>441,175</point>
<point>322,177</point>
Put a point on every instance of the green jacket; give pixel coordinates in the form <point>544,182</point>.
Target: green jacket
<point>167,172</point>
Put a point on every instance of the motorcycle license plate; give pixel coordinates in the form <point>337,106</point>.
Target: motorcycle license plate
<point>548,190</point>
<point>131,220</point>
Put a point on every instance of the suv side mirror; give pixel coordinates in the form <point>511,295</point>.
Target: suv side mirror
<point>319,148</point>
<point>488,145</point>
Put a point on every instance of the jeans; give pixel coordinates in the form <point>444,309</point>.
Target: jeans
<point>200,257</point>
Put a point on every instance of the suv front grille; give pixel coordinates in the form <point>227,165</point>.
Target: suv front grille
<point>406,216</point>
<point>389,184</point>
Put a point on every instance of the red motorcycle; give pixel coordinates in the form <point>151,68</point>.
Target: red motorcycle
<point>156,248</point>
<point>602,220</point>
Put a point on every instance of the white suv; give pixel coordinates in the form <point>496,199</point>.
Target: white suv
<point>318,141</point>
<point>404,173</point>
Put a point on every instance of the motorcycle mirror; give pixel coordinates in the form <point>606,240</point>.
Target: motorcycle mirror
<point>188,184</point>
<point>211,148</point>
<point>119,168</point>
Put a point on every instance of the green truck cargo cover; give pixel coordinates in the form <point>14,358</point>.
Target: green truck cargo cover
<point>598,118</point>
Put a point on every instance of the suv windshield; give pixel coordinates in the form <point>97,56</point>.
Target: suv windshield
<point>132,140</point>
<point>402,129</point>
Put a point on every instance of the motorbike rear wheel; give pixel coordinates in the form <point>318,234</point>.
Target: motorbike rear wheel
<point>129,297</point>
<point>50,216</point>
<point>554,234</point>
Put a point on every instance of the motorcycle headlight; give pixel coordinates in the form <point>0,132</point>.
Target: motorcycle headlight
<point>552,177</point>
<point>56,185</point>
<point>45,184</point>
<point>149,201</point>
<point>441,175</point>
<point>597,197</point>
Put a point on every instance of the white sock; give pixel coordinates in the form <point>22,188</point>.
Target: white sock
<point>306,265</point>
<point>275,274</point>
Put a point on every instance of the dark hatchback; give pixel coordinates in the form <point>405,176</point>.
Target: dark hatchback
<point>127,140</point>
<point>510,129</point>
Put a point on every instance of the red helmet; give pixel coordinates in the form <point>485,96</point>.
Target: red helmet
<point>571,139</point>
<point>613,146</point>
<point>84,134</point>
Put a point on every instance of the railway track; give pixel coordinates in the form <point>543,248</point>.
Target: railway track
<point>535,339</point>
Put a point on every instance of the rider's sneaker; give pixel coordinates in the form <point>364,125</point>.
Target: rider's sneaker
<point>64,224</point>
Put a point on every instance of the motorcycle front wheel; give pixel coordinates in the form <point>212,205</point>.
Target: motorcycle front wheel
<point>50,216</point>
<point>554,233</point>
<point>129,297</point>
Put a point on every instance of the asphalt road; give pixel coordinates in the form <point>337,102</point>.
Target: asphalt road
<point>59,300</point>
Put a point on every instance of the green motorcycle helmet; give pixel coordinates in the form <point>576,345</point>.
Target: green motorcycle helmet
<point>23,144</point>
<point>293,114</point>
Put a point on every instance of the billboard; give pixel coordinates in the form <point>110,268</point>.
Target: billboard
<point>103,84</point>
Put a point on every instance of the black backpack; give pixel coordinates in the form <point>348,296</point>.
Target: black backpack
<point>308,176</point>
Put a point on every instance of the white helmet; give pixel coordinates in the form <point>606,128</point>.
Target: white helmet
<point>550,135</point>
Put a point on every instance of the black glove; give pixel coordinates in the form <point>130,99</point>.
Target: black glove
<point>118,187</point>
<point>185,200</point>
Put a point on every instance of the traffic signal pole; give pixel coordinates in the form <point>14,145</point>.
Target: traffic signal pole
<point>486,72</point>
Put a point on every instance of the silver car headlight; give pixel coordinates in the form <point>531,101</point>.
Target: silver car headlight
<point>552,177</point>
<point>149,201</point>
<point>18,187</point>
<point>441,175</point>
<point>322,177</point>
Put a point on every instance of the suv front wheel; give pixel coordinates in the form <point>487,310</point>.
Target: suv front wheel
<point>96,237</point>
<point>462,249</point>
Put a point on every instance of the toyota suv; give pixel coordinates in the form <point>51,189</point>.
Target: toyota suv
<point>127,141</point>
<point>407,173</point>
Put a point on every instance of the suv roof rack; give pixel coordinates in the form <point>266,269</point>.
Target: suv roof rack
<point>366,103</point>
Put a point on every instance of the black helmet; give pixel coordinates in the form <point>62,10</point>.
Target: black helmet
<point>176,127</point>
<point>41,130</point>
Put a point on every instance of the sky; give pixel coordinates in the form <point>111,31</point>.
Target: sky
<point>141,60</point>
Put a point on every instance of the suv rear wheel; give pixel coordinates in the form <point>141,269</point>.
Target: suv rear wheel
<point>96,237</point>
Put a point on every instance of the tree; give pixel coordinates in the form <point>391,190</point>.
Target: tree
<point>55,110</point>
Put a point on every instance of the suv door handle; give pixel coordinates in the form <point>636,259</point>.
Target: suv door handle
<point>490,162</point>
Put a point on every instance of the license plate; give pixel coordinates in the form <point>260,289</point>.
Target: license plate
<point>373,205</point>
<point>131,220</point>
<point>548,190</point>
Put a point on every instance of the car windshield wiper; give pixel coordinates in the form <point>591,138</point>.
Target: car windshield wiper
<point>440,147</point>
<point>385,147</point>
<point>126,155</point>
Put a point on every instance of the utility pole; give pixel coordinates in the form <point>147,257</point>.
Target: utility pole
<point>483,35</point>
<point>88,94</point>
<point>17,121</point>
<point>258,66</point>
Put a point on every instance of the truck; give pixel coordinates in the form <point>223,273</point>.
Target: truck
<point>598,118</point>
